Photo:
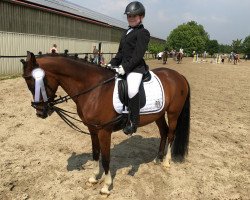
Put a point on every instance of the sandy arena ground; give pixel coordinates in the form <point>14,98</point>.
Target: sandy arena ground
<point>46,159</point>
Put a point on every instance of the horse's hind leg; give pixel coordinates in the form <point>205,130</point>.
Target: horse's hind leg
<point>163,128</point>
<point>172,122</point>
<point>96,155</point>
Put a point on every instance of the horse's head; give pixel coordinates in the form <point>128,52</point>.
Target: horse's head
<point>42,86</point>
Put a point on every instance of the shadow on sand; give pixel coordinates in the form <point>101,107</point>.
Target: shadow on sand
<point>131,153</point>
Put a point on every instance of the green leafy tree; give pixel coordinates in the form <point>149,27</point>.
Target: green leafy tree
<point>225,48</point>
<point>154,47</point>
<point>246,45</point>
<point>237,46</point>
<point>212,47</point>
<point>190,36</point>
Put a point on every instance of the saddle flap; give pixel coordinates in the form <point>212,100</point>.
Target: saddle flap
<point>123,93</point>
<point>153,101</point>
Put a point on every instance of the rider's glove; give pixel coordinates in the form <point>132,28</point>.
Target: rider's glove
<point>120,70</point>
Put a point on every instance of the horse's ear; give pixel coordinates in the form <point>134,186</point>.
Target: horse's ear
<point>31,58</point>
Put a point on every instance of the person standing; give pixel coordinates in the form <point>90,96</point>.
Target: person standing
<point>129,58</point>
<point>95,55</point>
<point>54,50</point>
<point>165,56</point>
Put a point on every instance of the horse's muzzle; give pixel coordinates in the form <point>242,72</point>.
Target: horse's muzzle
<point>42,109</point>
<point>41,115</point>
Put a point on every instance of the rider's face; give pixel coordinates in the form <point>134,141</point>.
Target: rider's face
<point>134,20</point>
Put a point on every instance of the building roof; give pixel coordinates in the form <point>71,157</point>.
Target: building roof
<point>72,8</point>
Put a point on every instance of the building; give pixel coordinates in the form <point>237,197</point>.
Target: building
<point>36,25</point>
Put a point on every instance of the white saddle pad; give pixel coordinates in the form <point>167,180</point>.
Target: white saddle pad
<point>155,99</point>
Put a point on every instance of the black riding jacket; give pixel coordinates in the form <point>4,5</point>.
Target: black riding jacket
<point>132,49</point>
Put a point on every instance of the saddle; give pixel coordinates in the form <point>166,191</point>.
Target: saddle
<point>150,89</point>
<point>123,90</point>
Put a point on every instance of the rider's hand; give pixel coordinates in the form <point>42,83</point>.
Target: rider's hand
<point>120,70</point>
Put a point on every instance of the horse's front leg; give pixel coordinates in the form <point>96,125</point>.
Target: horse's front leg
<point>105,141</point>
<point>96,155</point>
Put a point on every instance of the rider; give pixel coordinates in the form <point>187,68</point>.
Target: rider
<point>129,58</point>
<point>181,50</point>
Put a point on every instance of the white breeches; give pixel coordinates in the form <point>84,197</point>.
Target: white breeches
<point>134,81</point>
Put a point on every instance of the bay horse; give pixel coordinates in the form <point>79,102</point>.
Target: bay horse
<point>236,58</point>
<point>179,57</point>
<point>91,88</point>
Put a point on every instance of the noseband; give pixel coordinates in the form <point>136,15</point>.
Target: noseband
<point>46,105</point>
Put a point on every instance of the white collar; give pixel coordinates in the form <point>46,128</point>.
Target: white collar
<point>129,30</point>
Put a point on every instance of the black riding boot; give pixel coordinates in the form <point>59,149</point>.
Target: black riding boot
<point>134,108</point>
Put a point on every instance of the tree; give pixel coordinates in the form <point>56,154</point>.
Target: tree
<point>246,45</point>
<point>190,36</point>
<point>154,47</point>
<point>237,46</point>
<point>212,47</point>
<point>225,48</point>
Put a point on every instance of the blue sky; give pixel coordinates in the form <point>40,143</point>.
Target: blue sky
<point>224,20</point>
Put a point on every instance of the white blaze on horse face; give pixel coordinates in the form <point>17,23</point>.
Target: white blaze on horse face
<point>38,74</point>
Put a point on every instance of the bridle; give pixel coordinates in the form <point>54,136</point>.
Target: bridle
<point>49,106</point>
<point>42,106</point>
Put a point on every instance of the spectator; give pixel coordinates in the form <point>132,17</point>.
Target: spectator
<point>95,55</point>
<point>165,56</point>
<point>86,57</point>
<point>91,60</point>
<point>102,60</point>
<point>54,50</point>
<point>223,58</point>
<point>204,55</point>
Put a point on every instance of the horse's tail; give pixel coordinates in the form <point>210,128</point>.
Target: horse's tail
<point>181,141</point>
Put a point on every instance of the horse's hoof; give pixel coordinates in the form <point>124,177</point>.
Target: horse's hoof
<point>166,165</point>
<point>92,180</point>
<point>105,192</point>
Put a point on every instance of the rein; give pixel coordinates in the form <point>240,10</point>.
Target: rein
<point>67,97</point>
<point>64,113</point>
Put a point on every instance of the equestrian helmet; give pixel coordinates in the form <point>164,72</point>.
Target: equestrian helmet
<point>135,8</point>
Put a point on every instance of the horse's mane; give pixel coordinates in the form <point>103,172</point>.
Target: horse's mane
<point>73,57</point>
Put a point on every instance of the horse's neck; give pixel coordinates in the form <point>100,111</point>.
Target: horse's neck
<point>79,77</point>
<point>73,76</point>
<point>77,83</point>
